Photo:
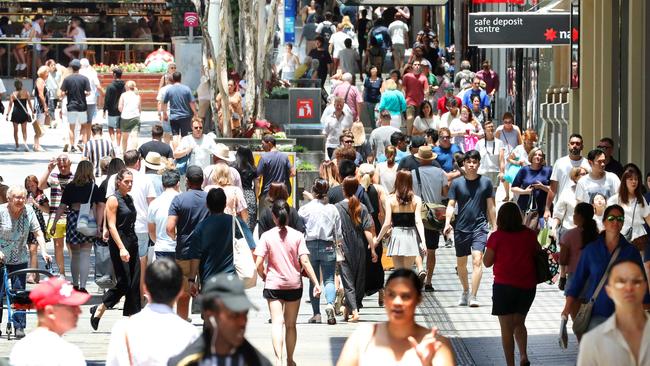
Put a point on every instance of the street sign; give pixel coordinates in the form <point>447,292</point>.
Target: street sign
<point>519,29</point>
<point>305,108</point>
<point>191,19</point>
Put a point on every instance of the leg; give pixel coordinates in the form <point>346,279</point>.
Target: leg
<point>132,303</point>
<point>18,282</point>
<point>84,263</point>
<point>23,127</point>
<point>506,322</point>
<point>431,265</point>
<point>328,269</point>
<point>477,270</point>
<point>461,268</point>
<point>58,255</point>
<point>348,279</point>
<point>71,132</point>
<point>398,262</point>
<point>143,248</point>
<point>277,316</point>
<point>75,258</point>
<point>125,141</point>
<point>290,315</point>
<point>521,336</point>
<point>16,134</point>
<point>33,261</point>
<point>111,134</point>
<point>418,263</point>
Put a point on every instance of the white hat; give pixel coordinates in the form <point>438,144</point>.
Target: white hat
<point>84,62</point>
<point>223,152</point>
<point>153,160</point>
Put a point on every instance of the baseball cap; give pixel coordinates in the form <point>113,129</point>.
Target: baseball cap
<point>75,63</point>
<point>417,141</point>
<point>84,62</point>
<point>56,291</point>
<point>194,171</point>
<point>228,288</point>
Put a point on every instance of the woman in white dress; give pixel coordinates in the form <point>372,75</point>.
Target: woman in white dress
<point>637,211</point>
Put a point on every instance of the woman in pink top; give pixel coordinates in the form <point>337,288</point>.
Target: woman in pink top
<point>574,240</point>
<point>286,251</point>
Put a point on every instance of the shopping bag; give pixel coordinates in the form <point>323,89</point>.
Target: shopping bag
<point>511,173</point>
<point>243,257</point>
<point>103,267</point>
<point>86,223</point>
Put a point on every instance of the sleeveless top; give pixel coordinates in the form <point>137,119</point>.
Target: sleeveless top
<point>37,101</point>
<point>373,196</point>
<point>125,218</point>
<point>19,111</point>
<point>403,219</point>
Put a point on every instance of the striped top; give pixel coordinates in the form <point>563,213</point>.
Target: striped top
<point>95,150</point>
<point>57,184</point>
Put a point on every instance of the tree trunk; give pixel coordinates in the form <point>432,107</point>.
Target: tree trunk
<point>263,55</point>
<point>249,13</point>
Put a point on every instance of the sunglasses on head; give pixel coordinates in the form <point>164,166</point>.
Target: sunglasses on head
<point>612,218</point>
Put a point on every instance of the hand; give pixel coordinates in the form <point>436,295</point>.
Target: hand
<point>448,230</point>
<point>521,163</point>
<point>500,176</point>
<point>2,257</point>
<point>565,311</point>
<point>547,214</point>
<point>46,257</point>
<point>100,234</point>
<point>194,289</point>
<point>30,200</point>
<point>51,164</point>
<point>426,349</point>
<point>53,229</point>
<point>124,255</point>
<point>373,256</point>
<point>105,235</point>
<point>317,291</point>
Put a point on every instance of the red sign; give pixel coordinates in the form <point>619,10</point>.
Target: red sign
<point>305,108</point>
<point>191,19</point>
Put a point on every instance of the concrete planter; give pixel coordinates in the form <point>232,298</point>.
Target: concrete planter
<point>277,111</point>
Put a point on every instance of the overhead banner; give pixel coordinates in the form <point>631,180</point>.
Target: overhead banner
<point>519,29</point>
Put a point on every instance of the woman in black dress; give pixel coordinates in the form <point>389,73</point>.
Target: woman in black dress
<point>123,245</point>
<point>20,106</point>
<point>245,165</point>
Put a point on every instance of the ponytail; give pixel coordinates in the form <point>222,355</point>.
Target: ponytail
<point>350,186</point>
<point>280,210</point>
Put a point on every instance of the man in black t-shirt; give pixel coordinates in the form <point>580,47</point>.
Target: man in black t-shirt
<point>156,145</point>
<point>75,88</point>
<point>321,54</point>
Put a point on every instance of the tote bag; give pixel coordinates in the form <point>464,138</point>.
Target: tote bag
<point>242,257</point>
<point>86,223</point>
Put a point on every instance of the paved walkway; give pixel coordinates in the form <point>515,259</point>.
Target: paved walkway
<point>473,331</point>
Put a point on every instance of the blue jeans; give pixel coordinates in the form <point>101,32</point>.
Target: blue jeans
<point>17,283</point>
<point>323,257</point>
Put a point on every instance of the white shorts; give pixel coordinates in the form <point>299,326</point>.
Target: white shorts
<point>77,117</point>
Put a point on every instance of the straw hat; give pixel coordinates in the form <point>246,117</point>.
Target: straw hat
<point>425,153</point>
<point>223,152</point>
<point>153,160</point>
<point>359,133</point>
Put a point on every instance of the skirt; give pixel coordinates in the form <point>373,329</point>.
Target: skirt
<point>251,202</point>
<point>72,236</point>
<point>404,242</point>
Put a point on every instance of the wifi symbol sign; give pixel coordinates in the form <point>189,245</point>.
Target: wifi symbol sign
<point>191,19</point>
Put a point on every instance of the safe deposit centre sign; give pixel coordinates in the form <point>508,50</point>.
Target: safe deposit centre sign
<point>519,29</point>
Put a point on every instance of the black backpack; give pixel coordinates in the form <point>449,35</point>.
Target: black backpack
<point>326,32</point>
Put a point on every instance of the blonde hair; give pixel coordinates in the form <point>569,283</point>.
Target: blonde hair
<point>366,172</point>
<point>532,153</point>
<point>221,175</point>
<point>130,85</point>
<point>43,71</point>
<point>390,84</point>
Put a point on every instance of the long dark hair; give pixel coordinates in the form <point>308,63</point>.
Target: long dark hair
<point>350,186</point>
<point>244,159</point>
<point>114,167</point>
<point>629,171</point>
<point>280,210</point>
<point>589,226</point>
<point>404,187</point>
<point>509,218</point>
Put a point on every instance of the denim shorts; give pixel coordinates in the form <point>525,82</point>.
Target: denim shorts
<point>113,121</point>
<point>77,117</point>
<point>143,244</point>
<point>167,127</point>
<point>91,112</point>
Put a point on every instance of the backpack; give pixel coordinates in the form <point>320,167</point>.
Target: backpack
<point>326,32</point>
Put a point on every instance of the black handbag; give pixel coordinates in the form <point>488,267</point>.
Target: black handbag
<point>542,270</point>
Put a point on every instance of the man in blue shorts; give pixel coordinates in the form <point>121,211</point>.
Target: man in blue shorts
<point>475,198</point>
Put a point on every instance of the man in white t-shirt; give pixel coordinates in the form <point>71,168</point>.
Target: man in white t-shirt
<point>598,181</point>
<point>159,212</point>
<point>143,193</point>
<point>492,155</point>
<point>337,43</point>
<point>91,99</point>
<point>561,169</point>
<point>200,147</point>
<point>399,35</point>
<point>57,308</point>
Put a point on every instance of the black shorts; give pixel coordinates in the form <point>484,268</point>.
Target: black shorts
<point>284,295</point>
<point>431,239</point>
<point>508,299</point>
<point>465,243</point>
<point>182,126</point>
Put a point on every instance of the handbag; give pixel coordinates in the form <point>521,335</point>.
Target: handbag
<point>338,250</point>
<point>542,272</point>
<point>630,231</point>
<point>511,173</point>
<point>531,216</point>
<point>86,223</point>
<point>104,277</point>
<point>242,257</point>
<point>582,319</point>
<point>433,214</point>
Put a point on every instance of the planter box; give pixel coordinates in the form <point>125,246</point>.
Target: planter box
<point>277,111</point>
<point>312,157</point>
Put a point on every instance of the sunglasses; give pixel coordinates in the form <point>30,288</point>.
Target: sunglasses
<point>198,128</point>
<point>348,141</point>
<point>611,218</point>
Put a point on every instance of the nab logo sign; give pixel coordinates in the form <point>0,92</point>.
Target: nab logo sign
<point>191,19</point>
<point>305,108</point>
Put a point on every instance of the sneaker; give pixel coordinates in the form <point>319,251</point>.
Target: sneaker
<point>315,319</point>
<point>429,288</point>
<point>463,299</point>
<point>20,333</point>
<point>18,67</point>
<point>329,310</point>
<point>473,302</point>
<point>23,66</point>
<point>448,243</point>
<point>26,148</point>
<point>422,275</point>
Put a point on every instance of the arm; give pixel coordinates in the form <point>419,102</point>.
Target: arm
<point>387,223</point>
<point>193,107</point>
<point>99,216</point>
<point>418,220</point>
<point>449,214</point>
<point>152,231</point>
<point>488,258</point>
<point>306,264</point>
<point>549,199</point>
<point>111,218</point>
<point>565,255</point>
<point>120,104</point>
<point>171,226</point>
<point>259,264</point>
<point>492,213</point>
<point>40,239</point>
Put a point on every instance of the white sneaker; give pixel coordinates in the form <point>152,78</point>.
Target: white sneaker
<point>26,148</point>
<point>23,66</point>
<point>463,299</point>
<point>473,302</point>
<point>18,67</point>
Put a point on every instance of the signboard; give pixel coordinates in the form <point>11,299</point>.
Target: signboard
<point>304,108</point>
<point>575,46</point>
<point>519,29</point>
<point>190,19</point>
<point>290,21</point>
<point>304,105</point>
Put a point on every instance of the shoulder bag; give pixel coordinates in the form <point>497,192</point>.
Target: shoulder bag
<point>629,232</point>
<point>242,257</point>
<point>38,131</point>
<point>581,322</point>
<point>86,223</point>
<point>531,216</point>
<point>433,214</point>
<point>542,270</point>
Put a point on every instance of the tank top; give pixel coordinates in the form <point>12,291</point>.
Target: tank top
<point>403,219</point>
<point>130,108</point>
<point>373,196</point>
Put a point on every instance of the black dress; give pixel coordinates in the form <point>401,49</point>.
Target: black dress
<point>127,274</point>
<point>19,111</point>
<point>374,271</point>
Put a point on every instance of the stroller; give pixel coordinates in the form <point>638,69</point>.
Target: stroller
<point>17,301</point>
